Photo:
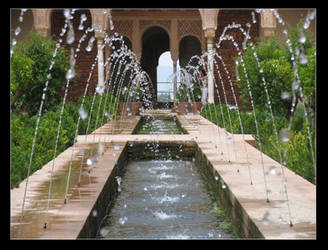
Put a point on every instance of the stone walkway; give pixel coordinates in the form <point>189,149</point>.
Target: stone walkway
<point>236,161</point>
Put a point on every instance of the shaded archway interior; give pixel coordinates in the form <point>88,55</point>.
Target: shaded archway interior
<point>189,46</point>
<point>155,41</point>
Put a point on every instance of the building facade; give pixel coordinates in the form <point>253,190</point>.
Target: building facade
<point>150,32</point>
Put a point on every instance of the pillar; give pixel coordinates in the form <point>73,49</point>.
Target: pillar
<point>268,23</point>
<point>100,43</point>
<point>174,80</point>
<point>209,24</point>
<point>100,22</point>
<point>174,56</point>
<point>210,73</point>
<point>41,18</point>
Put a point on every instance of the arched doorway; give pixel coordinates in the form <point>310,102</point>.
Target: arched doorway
<point>189,46</point>
<point>164,78</point>
<point>155,41</point>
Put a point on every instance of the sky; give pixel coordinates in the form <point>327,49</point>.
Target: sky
<point>165,68</point>
<point>165,73</point>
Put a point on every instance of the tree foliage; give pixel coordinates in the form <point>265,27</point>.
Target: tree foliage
<point>30,71</point>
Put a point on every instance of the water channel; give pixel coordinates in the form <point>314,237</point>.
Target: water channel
<point>163,198</point>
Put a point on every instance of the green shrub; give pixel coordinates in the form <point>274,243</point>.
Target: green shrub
<point>185,94</point>
<point>36,53</point>
<point>22,129</point>
<point>20,75</point>
<point>298,158</point>
<point>277,72</point>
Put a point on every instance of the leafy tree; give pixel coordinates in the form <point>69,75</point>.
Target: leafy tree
<point>30,70</point>
<point>305,49</point>
<point>20,74</point>
<point>276,70</point>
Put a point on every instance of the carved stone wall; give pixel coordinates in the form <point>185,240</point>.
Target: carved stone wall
<point>189,27</point>
<point>124,28</point>
<point>145,24</point>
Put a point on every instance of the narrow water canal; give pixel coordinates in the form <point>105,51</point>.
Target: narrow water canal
<point>159,125</point>
<point>162,199</point>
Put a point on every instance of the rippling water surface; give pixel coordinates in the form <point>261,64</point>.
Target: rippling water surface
<point>162,199</point>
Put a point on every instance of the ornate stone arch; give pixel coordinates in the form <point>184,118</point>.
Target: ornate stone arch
<point>144,25</point>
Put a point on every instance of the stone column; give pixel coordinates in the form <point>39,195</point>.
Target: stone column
<point>41,18</point>
<point>268,23</point>
<point>210,73</point>
<point>209,24</point>
<point>174,56</point>
<point>99,23</point>
<point>174,80</point>
<point>100,43</point>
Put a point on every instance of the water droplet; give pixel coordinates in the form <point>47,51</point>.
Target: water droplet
<point>281,217</point>
<point>216,177</point>
<point>90,161</point>
<point>67,14</point>
<point>306,24</point>
<point>100,89</point>
<point>253,17</point>
<point>303,59</point>
<point>70,34</point>
<point>104,231</point>
<point>21,19</point>
<point>295,85</point>
<point>83,17</point>
<point>17,30</point>
<point>119,180</point>
<point>285,95</point>
<point>302,37</point>
<point>94,213</point>
<point>272,170</point>
<point>83,114</point>
<point>81,27</point>
<point>70,74</point>
<point>122,220</point>
<point>265,219</point>
<point>284,180</point>
<point>222,184</point>
<point>90,44</point>
<point>284,135</point>
<point>14,42</point>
